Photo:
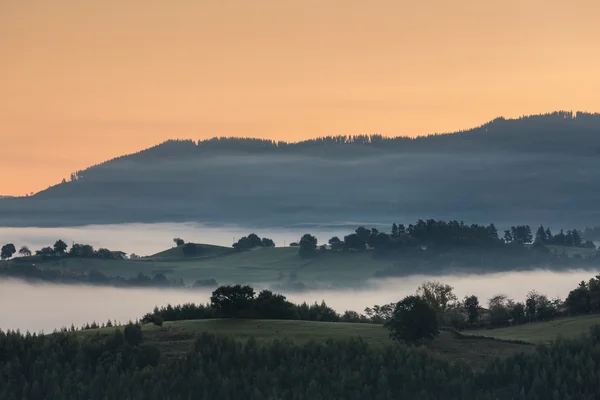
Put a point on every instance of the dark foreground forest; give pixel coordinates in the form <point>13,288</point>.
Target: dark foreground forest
<point>122,366</point>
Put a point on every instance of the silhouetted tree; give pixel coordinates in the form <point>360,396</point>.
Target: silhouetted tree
<point>232,301</point>
<point>308,245</point>
<point>7,251</point>
<point>335,243</point>
<point>179,242</point>
<point>266,242</point>
<point>413,320</point>
<point>354,242</point>
<point>60,247</point>
<point>472,308</point>
<point>24,251</point>
<point>394,230</point>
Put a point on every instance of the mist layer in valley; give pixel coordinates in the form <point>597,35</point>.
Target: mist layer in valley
<point>45,307</point>
<point>148,239</point>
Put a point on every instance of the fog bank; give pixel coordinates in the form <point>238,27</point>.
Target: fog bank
<point>148,239</point>
<point>45,307</point>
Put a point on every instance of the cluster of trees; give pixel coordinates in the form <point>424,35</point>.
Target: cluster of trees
<point>252,241</point>
<point>123,365</point>
<point>440,236</point>
<point>59,249</point>
<point>573,238</point>
<point>242,301</point>
<point>585,298</point>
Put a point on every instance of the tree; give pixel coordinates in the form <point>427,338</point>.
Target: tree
<point>308,245</point>
<point>576,238</point>
<point>413,320</point>
<point>335,243</point>
<point>394,230</point>
<point>266,242</point>
<point>354,242</point>
<point>508,236</point>
<point>437,295</point>
<point>498,309</point>
<point>133,334</point>
<point>232,301</point>
<point>540,235</point>
<point>24,251</point>
<point>270,305</point>
<point>179,242</point>
<point>380,314</point>
<point>531,304</point>
<point>45,251</point>
<point>380,241</point>
<point>254,240</point>
<point>82,250</point>
<point>363,233</point>
<point>7,251</point>
<point>60,247</point>
<point>104,253</point>
<point>472,307</point>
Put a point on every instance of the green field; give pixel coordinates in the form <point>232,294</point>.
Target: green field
<point>543,332</point>
<point>176,338</point>
<point>202,250</point>
<point>258,265</point>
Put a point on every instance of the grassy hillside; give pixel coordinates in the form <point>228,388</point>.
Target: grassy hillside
<point>202,251</point>
<point>274,265</point>
<point>543,331</point>
<point>176,338</point>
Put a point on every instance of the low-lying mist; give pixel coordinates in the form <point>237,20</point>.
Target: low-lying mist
<point>45,307</point>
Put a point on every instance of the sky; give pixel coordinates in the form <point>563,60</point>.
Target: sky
<point>83,81</point>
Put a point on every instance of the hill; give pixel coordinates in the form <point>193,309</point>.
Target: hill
<point>201,251</point>
<point>276,266</point>
<point>177,338</point>
<point>531,169</point>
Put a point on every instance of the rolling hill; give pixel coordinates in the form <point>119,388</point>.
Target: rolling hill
<point>529,170</point>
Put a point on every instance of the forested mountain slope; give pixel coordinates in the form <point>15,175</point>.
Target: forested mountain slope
<point>537,168</point>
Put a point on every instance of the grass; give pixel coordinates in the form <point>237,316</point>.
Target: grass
<point>543,332</point>
<point>228,267</point>
<point>176,338</point>
<point>202,251</point>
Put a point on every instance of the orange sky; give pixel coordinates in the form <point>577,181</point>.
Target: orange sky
<point>82,81</point>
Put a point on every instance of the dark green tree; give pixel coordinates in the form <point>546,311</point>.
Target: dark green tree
<point>308,245</point>
<point>540,235</point>
<point>179,242</point>
<point>7,251</point>
<point>363,233</point>
<point>394,230</point>
<point>335,243</point>
<point>232,301</point>
<point>266,242</point>
<point>269,305</point>
<point>354,242</point>
<point>24,251</point>
<point>60,247</point>
<point>413,320</point>
<point>472,308</point>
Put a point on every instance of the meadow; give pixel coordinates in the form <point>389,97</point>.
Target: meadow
<point>543,332</point>
<point>279,264</point>
<point>175,339</point>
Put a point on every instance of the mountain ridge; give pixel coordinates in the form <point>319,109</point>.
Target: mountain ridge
<point>531,169</point>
